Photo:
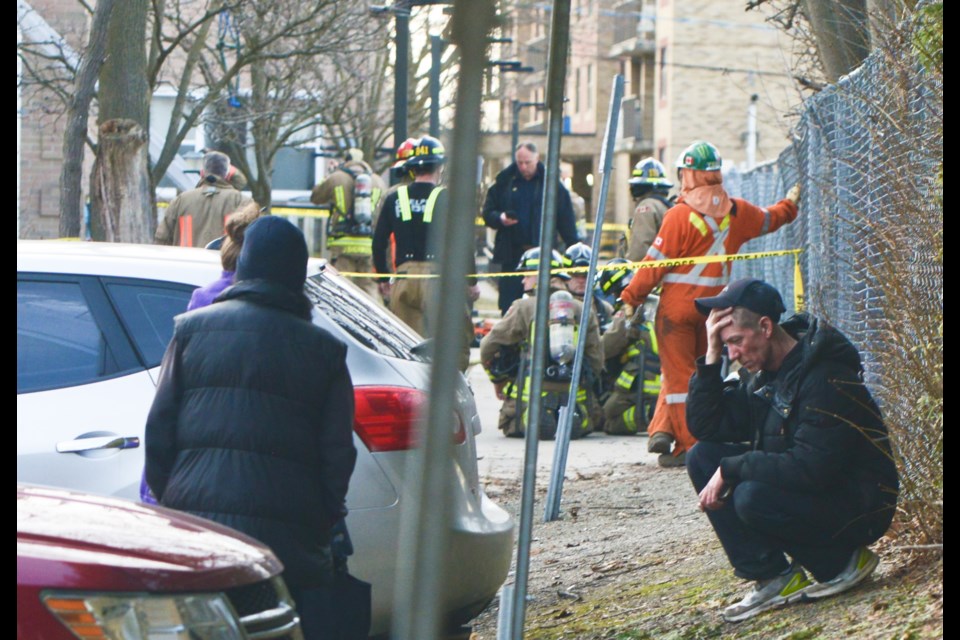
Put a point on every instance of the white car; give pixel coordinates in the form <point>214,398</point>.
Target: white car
<point>93,320</point>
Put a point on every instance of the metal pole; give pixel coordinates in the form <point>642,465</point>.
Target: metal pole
<point>426,520</point>
<point>402,43</point>
<point>752,132</point>
<point>555,489</point>
<point>556,77</point>
<point>436,59</point>
<point>515,126</point>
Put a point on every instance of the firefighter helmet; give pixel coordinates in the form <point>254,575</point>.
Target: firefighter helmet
<point>530,261</point>
<point>427,151</point>
<point>649,174</point>
<point>613,281</point>
<point>404,151</point>
<point>578,255</point>
<point>701,156</point>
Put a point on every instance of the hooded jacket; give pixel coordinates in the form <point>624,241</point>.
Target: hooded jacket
<point>252,423</point>
<point>510,243</point>
<point>813,425</point>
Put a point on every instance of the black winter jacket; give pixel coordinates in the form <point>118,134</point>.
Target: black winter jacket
<point>509,245</point>
<point>814,425</point>
<point>252,424</point>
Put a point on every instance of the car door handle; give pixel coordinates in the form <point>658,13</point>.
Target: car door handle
<point>95,444</point>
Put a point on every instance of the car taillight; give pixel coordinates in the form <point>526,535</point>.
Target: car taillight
<point>389,418</point>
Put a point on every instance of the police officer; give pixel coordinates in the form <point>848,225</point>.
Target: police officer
<point>407,214</point>
<point>515,333</point>
<point>351,222</point>
<point>632,362</point>
<point>649,187</point>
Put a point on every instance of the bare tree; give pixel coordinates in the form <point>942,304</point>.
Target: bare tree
<point>278,51</point>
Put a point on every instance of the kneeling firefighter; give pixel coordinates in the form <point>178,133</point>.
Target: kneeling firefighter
<point>506,350</point>
<point>632,379</point>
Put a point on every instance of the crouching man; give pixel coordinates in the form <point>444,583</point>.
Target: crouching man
<point>793,465</point>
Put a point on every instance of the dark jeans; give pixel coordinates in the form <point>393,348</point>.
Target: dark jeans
<point>761,522</point>
<point>511,288</point>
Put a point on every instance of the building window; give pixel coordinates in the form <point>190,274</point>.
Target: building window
<point>576,93</point>
<point>663,73</point>
<point>589,87</point>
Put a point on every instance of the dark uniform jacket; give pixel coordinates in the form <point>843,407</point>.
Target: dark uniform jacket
<point>813,424</point>
<point>510,243</point>
<point>252,424</point>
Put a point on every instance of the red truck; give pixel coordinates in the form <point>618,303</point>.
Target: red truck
<point>106,568</point>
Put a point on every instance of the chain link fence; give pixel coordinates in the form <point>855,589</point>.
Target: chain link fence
<point>866,153</point>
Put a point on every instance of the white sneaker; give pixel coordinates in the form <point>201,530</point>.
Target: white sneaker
<point>861,565</point>
<point>768,594</point>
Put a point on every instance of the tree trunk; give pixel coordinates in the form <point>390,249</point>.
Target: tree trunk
<point>120,191</point>
<point>842,32</point>
<point>120,184</point>
<point>78,111</point>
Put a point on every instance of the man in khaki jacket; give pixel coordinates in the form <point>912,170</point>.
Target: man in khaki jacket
<point>514,331</point>
<point>196,217</point>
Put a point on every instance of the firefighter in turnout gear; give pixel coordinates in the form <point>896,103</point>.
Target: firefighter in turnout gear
<point>511,339</point>
<point>353,193</point>
<point>407,214</point>
<point>632,361</point>
<point>649,187</point>
<point>705,222</point>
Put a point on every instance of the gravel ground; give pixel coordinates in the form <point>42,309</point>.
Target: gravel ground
<point>632,557</point>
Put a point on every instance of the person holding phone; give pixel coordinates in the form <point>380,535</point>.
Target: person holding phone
<point>513,207</point>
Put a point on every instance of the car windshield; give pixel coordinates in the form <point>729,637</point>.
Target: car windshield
<point>362,319</point>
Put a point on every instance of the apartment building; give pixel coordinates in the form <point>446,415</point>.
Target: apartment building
<point>692,70</point>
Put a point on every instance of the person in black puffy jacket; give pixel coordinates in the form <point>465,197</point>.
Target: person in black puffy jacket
<point>794,458</point>
<point>252,423</point>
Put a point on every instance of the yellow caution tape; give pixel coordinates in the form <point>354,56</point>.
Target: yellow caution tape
<point>646,264</point>
<point>799,299</point>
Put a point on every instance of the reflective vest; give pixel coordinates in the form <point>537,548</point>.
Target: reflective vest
<point>406,213</point>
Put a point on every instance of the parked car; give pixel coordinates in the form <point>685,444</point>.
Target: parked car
<point>93,320</point>
<point>96,567</point>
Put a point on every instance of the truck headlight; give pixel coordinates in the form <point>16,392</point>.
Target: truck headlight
<point>204,616</point>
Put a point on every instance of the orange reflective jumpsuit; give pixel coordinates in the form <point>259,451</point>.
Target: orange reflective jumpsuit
<point>681,330</point>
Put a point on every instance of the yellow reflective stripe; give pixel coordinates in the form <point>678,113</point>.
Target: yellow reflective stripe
<point>375,196</point>
<point>340,198</point>
<point>630,420</point>
<point>725,222</point>
<point>431,203</point>
<point>698,223</point>
<point>633,351</point>
<point>403,196</point>
<point>353,244</point>
<point>653,337</point>
<point>625,380</point>
<point>652,387</point>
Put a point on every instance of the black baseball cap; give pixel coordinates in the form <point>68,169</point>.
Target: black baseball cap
<point>749,293</point>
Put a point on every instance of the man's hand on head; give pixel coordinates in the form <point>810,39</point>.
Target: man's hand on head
<point>713,495</point>
<point>716,321</point>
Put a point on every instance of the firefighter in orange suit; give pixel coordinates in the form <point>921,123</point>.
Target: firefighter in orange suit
<point>705,222</point>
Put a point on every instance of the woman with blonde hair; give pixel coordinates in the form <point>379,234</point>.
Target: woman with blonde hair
<point>230,245</point>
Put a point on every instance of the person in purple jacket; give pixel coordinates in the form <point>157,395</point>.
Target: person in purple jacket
<point>230,247</point>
